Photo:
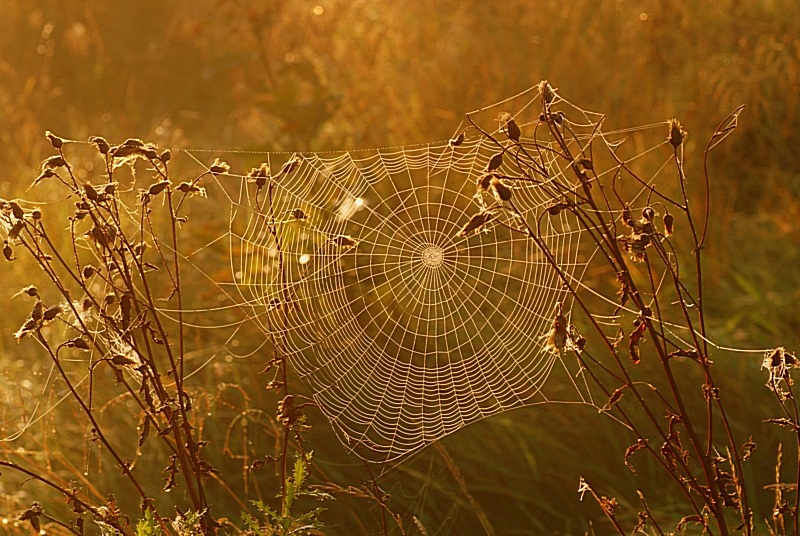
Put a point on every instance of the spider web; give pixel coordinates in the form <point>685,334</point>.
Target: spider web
<point>404,327</point>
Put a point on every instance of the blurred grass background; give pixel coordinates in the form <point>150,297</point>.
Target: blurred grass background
<point>336,74</point>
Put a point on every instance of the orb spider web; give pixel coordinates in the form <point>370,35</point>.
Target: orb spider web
<point>407,317</point>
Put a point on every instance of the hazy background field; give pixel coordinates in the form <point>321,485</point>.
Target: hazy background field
<point>356,74</point>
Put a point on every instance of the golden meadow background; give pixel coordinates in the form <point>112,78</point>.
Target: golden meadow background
<point>297,75</point>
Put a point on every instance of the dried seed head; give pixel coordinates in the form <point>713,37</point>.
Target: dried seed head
<point>510,127</point>
<point>91,193</point>
<point>46,174</point>
<point>547,92</point>
<point>86,304</point>
<point>187,187</point>
<point>54,140</point>
<point>458,140</point>
<point>51,312</point>
<point>165,156</point>
<point>503,192</point>
<point>676,133</point>
<point>133,142</point>
<point>484,181</point>
<point>290,165</point>
<point>79,343</point>
<point>344,241</point>
<point>158,187</point>
<point>648,214</point>
<point>669,224</point>
<point>219,167</point>
<point>110,298</point>
<point>53,162</point>
<point>8,253</point>
<point>88,271</point>
<point>36,214</point>
<point>16,210</point>
<point>100,143</point>
<point>627,219</point>
<point>585,163</point>
<point>30,291</point>
<point>298,214</point>
<point>558,335</point>
<point>259,175</point>
<point>149,152</point>
<point>495,162</point>
<point>475,223</point>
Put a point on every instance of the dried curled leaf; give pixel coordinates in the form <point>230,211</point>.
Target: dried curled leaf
<point>639,445</point>
<point>54,140</point>
<point>614,398</point>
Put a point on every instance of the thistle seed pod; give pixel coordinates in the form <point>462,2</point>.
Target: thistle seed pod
<point>54,140</point>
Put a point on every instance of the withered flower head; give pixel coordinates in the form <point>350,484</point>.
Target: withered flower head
<point>219,167</point>
<point>676,133</point>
